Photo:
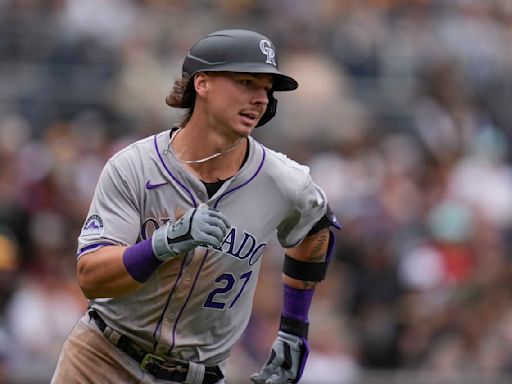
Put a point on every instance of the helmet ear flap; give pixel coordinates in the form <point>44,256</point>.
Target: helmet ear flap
<point>271,109</point>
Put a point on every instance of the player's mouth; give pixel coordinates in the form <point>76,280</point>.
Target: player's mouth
<point>250,117</point>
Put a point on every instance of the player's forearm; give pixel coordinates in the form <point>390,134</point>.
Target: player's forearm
<point>103,273</point>
<point>299,284</point>
<point>304,266</point>
<point>114,271</point>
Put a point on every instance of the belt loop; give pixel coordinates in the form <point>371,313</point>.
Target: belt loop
<point>112,335</point>
<point>195,373</point>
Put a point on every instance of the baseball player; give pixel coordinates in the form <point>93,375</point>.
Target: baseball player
<point>170,251</point>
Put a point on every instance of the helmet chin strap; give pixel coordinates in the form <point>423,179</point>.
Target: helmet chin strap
<point>215,155</point>
<point>271,110</point>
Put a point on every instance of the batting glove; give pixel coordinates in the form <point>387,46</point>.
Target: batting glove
<point>286,362</point>
<point>199,226</point>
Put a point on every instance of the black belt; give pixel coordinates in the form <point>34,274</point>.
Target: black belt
<point>162,368</point>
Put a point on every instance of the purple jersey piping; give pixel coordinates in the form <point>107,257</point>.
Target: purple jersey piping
<point>93,246</point>
<point>189,193</point>
<point>186,302</point>
<point>244,184</point>
<point>155,341</point>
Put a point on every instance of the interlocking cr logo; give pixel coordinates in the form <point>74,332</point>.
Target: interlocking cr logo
<point>266,48</point>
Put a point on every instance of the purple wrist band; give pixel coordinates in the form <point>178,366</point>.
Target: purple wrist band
<point>140,261</point>
<point>297,302</point>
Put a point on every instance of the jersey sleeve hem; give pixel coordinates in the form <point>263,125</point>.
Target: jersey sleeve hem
<point>94,247</point>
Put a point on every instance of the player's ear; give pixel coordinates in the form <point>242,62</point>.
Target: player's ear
<point>201,83</point>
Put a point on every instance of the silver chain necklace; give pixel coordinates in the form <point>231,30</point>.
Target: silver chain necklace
<point>205,158</point>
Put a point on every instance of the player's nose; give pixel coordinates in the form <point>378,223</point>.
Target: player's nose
<point>260,96</point>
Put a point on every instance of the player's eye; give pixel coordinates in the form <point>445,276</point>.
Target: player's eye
<point>246,82</point>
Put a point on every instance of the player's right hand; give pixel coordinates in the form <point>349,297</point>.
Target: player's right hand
<point>199,226</point>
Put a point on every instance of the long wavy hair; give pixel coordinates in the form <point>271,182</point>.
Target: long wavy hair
<point>182,95</point>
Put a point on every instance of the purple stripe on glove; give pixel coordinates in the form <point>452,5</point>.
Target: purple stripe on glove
<point>303,358</point>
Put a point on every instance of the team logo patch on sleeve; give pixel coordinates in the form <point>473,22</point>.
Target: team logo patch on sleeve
<point>93,226</point>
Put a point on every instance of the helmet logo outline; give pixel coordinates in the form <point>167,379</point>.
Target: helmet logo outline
<point>267,50</point>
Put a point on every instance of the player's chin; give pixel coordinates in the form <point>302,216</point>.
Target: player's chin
<point>245,128</point>
<point>245,132</point>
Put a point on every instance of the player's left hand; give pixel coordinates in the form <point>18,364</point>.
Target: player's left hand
<point>286,362</point>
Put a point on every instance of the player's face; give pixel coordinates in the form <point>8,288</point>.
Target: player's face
<point>236,101</point>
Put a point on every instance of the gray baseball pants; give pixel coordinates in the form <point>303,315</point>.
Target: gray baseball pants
<point>88,357</point>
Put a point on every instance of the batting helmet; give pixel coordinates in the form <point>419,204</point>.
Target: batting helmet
<point>239,50</point>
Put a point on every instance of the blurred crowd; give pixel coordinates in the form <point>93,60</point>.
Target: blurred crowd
<point>403,114</point>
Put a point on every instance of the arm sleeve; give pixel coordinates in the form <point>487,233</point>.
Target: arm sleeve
<point>114,215</point>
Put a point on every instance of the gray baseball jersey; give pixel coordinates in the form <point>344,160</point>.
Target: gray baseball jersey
<point>196,307</point>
